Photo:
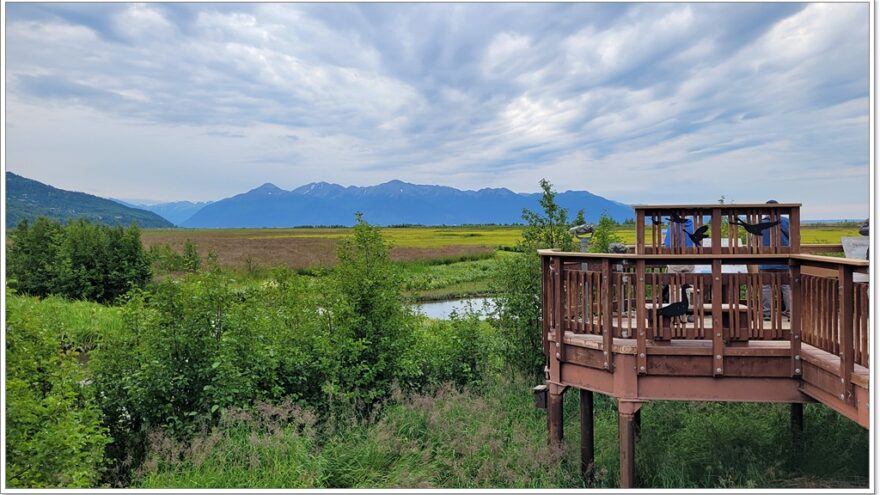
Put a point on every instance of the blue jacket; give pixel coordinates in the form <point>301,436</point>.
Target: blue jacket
<point>676,233</point>
<point>766,242</point>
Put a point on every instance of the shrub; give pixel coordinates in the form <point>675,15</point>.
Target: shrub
<point>54,436</point>
<point>80,260</point>
<point>458,351</point>
<point>372,313</point>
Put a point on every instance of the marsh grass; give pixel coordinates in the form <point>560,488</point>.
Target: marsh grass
<point>489,435</point>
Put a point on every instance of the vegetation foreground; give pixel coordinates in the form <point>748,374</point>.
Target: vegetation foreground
<point>208,375</point>
<point>482,433</point>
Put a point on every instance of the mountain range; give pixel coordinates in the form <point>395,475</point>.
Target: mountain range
<point>321,203</point>
<point>29,199</point>
<point>391,203</point>
<point>175,212</point>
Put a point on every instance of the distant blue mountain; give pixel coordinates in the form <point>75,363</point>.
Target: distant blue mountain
<point>175,212</point>
<point>391,203</point>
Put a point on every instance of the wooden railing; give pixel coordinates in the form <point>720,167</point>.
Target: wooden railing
<point>618,296</point>
<point>726,235</point>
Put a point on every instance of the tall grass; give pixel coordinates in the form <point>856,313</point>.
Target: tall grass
<point>489,435</point>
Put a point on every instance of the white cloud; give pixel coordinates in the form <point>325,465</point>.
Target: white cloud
<point>618,99</point>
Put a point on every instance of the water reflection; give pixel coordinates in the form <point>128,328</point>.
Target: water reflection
<point>440,310</point>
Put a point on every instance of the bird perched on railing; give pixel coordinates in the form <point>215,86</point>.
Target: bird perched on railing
<point>698,235</point>
<point>677,219</point>
<point>757,228</point>
<point>582,229</point>
<point>677,309</point>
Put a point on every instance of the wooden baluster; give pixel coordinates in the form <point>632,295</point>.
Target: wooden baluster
<point>794,234</point>
<point>847,362</point>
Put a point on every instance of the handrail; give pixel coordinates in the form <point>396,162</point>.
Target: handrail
<point>743,259</point>
<point>730,206</point>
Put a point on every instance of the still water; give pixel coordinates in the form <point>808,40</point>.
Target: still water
<point>440,310</point>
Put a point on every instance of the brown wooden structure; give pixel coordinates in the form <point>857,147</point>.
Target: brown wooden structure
<point>602,331</point>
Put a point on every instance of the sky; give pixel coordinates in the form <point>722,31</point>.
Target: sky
<point>639,103</point>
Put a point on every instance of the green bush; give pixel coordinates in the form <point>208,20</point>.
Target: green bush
<point>372,314</point>
<point>458,351</point>
<point>79,260</point>
<point>54,436</point>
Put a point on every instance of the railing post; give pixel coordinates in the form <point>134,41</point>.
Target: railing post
<point>847,350</point>
<point>794,227</point>
<point>716,231</point>
<point>606,307</point>
<point>640,231</point>
<point>545,306</point>
<point>559,332</point>
<point>717,330</point>
<point>641,341</point>
<point>795,311</point>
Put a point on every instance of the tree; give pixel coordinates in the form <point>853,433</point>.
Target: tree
<point>80,260</point>
<point>604,235</point>
<point>191,260</point>
<point>518,282</point>
<point>33,256</point>
<point>549,230</point>
<point>371,313</point>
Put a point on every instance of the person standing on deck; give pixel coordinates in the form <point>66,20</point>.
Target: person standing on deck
<point>676,236</point>
<point>784,226</point>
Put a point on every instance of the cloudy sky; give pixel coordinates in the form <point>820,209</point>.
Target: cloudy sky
<point>641,103</point>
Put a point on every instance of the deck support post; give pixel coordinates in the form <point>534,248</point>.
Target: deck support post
<point>637,423</point>
<point>555,416</point>
<point>587,439</point>
<point>626,414</point>
<point>797,420</point>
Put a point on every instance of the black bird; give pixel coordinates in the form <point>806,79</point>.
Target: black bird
<point>655,220</point>
<point>756,228</point>
<point>698,235</point>
<point>677,309</point>
<point>677,219</point>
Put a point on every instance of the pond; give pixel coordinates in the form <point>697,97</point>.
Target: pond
<point>440,310</point>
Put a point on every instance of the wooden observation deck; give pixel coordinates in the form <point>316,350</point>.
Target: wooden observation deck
<point>602,330</point>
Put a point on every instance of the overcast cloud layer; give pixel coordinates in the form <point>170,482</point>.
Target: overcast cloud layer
<point>641,103</point>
